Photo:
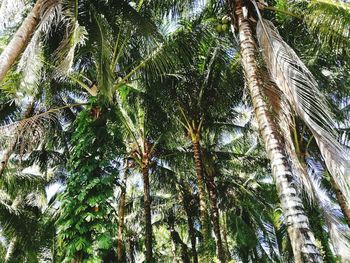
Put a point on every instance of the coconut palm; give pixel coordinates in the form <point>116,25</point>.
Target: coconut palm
<point>163,102</point>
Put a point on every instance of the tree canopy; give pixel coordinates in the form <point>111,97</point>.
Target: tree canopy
<point>174,131</point>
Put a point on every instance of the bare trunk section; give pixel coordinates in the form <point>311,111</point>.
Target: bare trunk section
<point>147,212</point>
<point>341,201</point>
<point>12,146</point>
<point>302,239</point>
<point>121,216</point>
<point>20,39</point>
<point>215,216</point>
<point>203,213</point>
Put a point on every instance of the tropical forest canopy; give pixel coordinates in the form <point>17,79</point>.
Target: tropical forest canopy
<point>174,131</point>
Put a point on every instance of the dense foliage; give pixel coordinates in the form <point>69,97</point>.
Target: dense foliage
<point>174,131</point>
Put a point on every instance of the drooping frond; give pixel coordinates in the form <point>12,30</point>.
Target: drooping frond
<point>64,54</point>
<point>338,231</point>
<point>284,116</point>
<point>28,132</point>
<point>330,19</point>
<point>30,67</point>
<point>301,90</point>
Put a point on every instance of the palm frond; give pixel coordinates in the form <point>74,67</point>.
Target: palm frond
<point>284,116</point>
<point>330,19</point>
<point>338,231</point>
<point>300,89</point>
<point>30,130</point>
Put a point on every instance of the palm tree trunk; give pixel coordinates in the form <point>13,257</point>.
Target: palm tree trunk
<point>302,239</point>
<point>147,213</point>
<point>215,217</point>
<point>20,39</point>
<point>121,214</point>
<point>341,201</point>
<point>203,213</point>
<point>11,148</point>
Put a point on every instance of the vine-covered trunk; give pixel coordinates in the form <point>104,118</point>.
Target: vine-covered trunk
<point>20,39</point>
<point>203,213</point>
<point>341,201</point>
<point>12,146</point>
<point>215,217</point>
<point>147,213</point>
<point>302,239</point>
<point>121,215</point>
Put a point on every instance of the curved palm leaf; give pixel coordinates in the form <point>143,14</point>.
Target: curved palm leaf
<point>300,88</point>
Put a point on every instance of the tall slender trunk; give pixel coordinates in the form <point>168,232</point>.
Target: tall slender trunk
<point>215,217</point>
<point>203,213</point>
<point>341,201</point>
<point>12,146</point>
<point>302,239</point>
<point>121,214</point>
<point>20,39</point>
<point>147,212</point>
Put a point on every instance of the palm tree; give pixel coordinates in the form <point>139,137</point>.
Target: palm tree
<point>303,241</point>
<point>133,70</point>
<point>197,87</point>
<point>20,39</point>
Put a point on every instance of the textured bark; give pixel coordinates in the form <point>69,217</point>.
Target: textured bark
<point>121,216</point>
<point>203,213</point>
<point>20,40</point>
<point>302,239</point>
<point>147,212</point>
<point>12,146</point>
<point>215,217</point>
<point>341,201</point>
